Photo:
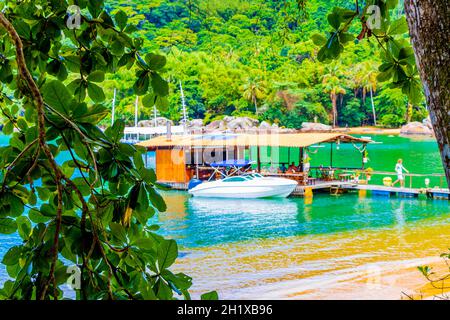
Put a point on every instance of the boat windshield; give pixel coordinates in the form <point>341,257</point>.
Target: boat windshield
<point>253,176</point>
<point>237,179</point>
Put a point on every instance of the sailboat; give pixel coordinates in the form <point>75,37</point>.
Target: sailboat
<point>133,135</point>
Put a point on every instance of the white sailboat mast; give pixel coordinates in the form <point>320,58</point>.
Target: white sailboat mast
<point>183,102</point>
<point>113,116</point>
<point>136,112</point>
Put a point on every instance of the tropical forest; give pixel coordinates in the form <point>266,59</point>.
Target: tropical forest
<point>258,59</point>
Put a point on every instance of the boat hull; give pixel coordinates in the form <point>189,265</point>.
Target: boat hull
<point>270,189</point>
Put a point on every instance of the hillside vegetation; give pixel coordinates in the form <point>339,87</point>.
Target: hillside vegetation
<point>256,58</point>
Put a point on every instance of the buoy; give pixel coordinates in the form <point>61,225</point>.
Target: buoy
<point>387,181</point>
<point>308,193</point>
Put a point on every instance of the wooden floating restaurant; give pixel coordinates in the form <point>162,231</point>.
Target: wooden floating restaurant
<point>182,158</point>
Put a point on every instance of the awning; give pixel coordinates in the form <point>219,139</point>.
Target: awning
<point>294,140</point>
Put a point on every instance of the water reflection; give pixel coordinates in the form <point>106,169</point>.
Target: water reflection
<point>204,222</point>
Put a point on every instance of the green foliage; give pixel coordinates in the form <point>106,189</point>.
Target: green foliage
<point>92,210</point>
<point>398,63</point>
<point>235,57</point>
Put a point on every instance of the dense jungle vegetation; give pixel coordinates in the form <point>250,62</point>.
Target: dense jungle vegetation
<point>256,58</point>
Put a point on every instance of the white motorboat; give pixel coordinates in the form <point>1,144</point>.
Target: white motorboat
<point>248,186</point>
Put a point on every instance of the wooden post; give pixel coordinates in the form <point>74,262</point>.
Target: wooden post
<point>363,164</point>
<point>301,160</point>
<point>331,155</point>
<point>146,158</point>
<point>258,151</point>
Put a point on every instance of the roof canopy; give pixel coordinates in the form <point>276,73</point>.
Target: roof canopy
<point>295,140</point>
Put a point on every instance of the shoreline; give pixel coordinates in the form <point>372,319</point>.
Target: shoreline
<point>372,264</point>
<point>370,130</point>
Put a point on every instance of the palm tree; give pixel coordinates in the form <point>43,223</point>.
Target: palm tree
<point>332,83</point>
<point>254,90</point>
<point>365,77</point>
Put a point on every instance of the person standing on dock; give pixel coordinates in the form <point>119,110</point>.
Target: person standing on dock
<point>400,177</point>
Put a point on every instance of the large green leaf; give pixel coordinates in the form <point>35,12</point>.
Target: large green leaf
<point>142,83</point>
<point>115,132</point>
<point>318,39</point>
<point>121,19</point>
<point>210,296</point>
<point>96,93</point>
<point>93,115</point>
<point>160,86</point>
<point>57,96</point>
<point>167,254</point>
<point>156,199</point>
<point>96,76</point>
<point>155,62</point>
<point>7,226</point>
<point>12,256</point>
<point>118,231</point>
<point>399,26</point>
<point>24,227</point>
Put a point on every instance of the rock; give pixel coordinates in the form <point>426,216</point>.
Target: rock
<point>216,125</point>
<point>415,128</point>
<point>228,119</point>
<point>265,125</point>
<point>311,126</point>
<point>196,123</point>
<point>242,123</point>
<point>146,123</point>
<point>160,122</point>
<point>427,122</point>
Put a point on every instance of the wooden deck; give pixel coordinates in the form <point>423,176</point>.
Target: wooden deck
<point>338,187</point>
<point>378,190</point>
<point>441,194</point>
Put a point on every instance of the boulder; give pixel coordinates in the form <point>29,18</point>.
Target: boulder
<point>265,125</point>
<point>160,122</point>
<point>413,128</point>
<point>216,125</point>
<point>311,126</point>
<point>228,119</point>
<point>196,123</point>
<point>427,122</point>
<point>146,123</point>
<point>242,123</point>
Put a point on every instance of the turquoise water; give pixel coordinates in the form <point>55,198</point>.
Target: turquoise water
<point>199,224</point>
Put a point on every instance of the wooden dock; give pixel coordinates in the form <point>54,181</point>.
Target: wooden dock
<point>338,187</point>
<point>386,191</point>
<point>440,194</point>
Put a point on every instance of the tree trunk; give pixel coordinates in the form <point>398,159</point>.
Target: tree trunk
<point>334,109</point>
<point>373,107</point>
<point>429,27</point>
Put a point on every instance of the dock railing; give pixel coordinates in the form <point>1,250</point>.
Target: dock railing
<point>339,172</point>
<point>408,176</point>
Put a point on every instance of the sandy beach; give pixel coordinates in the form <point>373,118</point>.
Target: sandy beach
<point>369,264</point>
